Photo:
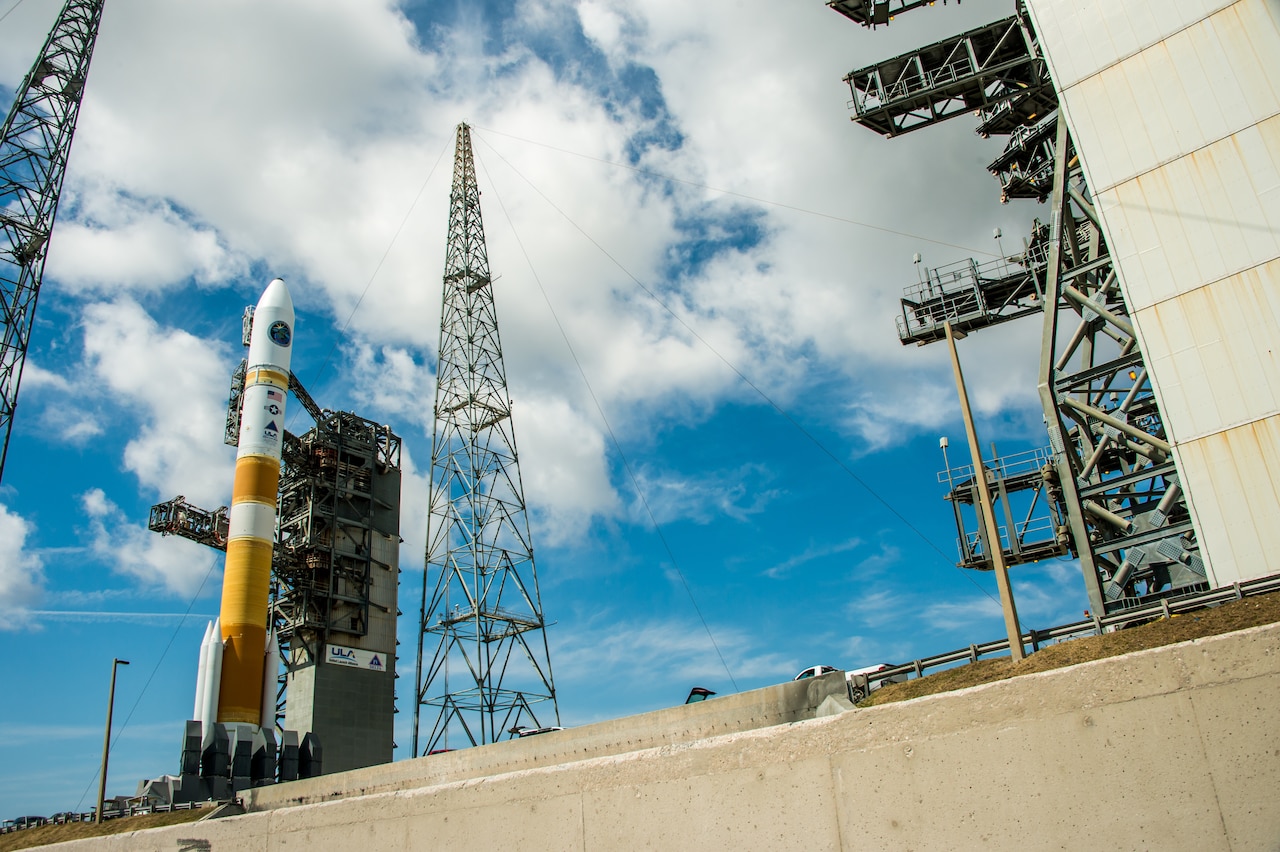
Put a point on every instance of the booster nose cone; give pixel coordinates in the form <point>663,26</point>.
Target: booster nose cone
<point>276,296</point>
<point>271,341</point>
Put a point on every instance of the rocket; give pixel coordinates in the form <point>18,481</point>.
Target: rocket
<point>240,688</point>
<point>208,674</point>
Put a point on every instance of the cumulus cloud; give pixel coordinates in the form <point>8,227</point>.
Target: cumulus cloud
<point>177,385</point>
<point>391,382</point>
<point>170,564</point>
<point>317,152</point>
<point>114,242</point>
<point>21,572</point>
<point>566,476</point>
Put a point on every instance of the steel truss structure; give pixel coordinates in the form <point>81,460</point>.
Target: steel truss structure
<point>339,494</point>
<point>35,144</point>
<point>992,68</point>
<point>483,662</point>
<point>1128,515</point>
<point>1119,505</point>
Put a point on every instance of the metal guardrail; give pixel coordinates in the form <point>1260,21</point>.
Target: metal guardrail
<point>1094,626</point>
<point>9,826</point>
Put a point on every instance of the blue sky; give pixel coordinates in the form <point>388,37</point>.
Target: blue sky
<point>700,155</point>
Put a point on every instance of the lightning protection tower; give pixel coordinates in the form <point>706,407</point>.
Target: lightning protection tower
<point>34,145</point>
<point>483,663</point>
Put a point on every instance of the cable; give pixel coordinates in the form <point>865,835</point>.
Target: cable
<point>151,677</point>
<point>11,8</point>
<point>756,199</point>
<point>814,440</point>
<point>635,482</point>
<point>404,221</point>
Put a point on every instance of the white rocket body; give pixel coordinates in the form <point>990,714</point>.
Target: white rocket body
<point>252,524</point>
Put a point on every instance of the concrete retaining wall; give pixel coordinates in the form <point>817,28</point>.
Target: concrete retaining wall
<point>1174,748</point>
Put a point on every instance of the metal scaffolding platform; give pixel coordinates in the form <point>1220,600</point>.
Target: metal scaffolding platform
<point>976,70</point>
<point>1025,483</point>
<point>971,295</point>
<point>1025,167</point>
<point>874,13</point>
<point>178,517</point>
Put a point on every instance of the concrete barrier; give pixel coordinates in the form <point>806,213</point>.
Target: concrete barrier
<point>1172,748</point>
<point>759,708</point>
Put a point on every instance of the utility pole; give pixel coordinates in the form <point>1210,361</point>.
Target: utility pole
<point>35,143</point>
<point>990,530</point>
<point>106,740</point>
<point>489,672</point>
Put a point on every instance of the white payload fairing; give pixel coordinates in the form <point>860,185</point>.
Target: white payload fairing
<point>234,684</point>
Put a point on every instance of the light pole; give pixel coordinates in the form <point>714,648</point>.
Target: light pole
<point>106,740</point>
<point>990,531</point>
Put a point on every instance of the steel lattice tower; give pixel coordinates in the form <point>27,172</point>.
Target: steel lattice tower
<point>34,145</point>
<point>483,662</point>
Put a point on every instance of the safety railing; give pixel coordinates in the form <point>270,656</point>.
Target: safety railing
<point>1096,625</point>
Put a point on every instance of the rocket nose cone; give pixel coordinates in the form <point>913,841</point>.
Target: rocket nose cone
<point>276,296</point>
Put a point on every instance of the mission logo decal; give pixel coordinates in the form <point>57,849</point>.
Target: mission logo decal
<point>280,333</point>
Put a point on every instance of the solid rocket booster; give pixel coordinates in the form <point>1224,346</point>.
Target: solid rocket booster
<point>270,669</point>
<point>252,525</point>
<point>202,673</point>
<point>211,669</point>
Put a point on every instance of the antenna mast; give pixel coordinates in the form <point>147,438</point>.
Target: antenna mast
<point>34,145</point>
<point>483,662</point>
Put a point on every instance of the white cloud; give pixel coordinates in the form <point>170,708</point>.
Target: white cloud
<point>814,551</point>
<point>664,651</point>
<point>602,24</point>
<point>171,564</point>
<point>564,469</point>
<point>34,376</point>
<point>177,383</point>
<point>962,614</point>
<point>738,494</point>
<point>116,242</point>
<point>390,382</point>
<point>21,573</point>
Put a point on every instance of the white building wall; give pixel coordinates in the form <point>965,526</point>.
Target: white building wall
<point>1175,109</point>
